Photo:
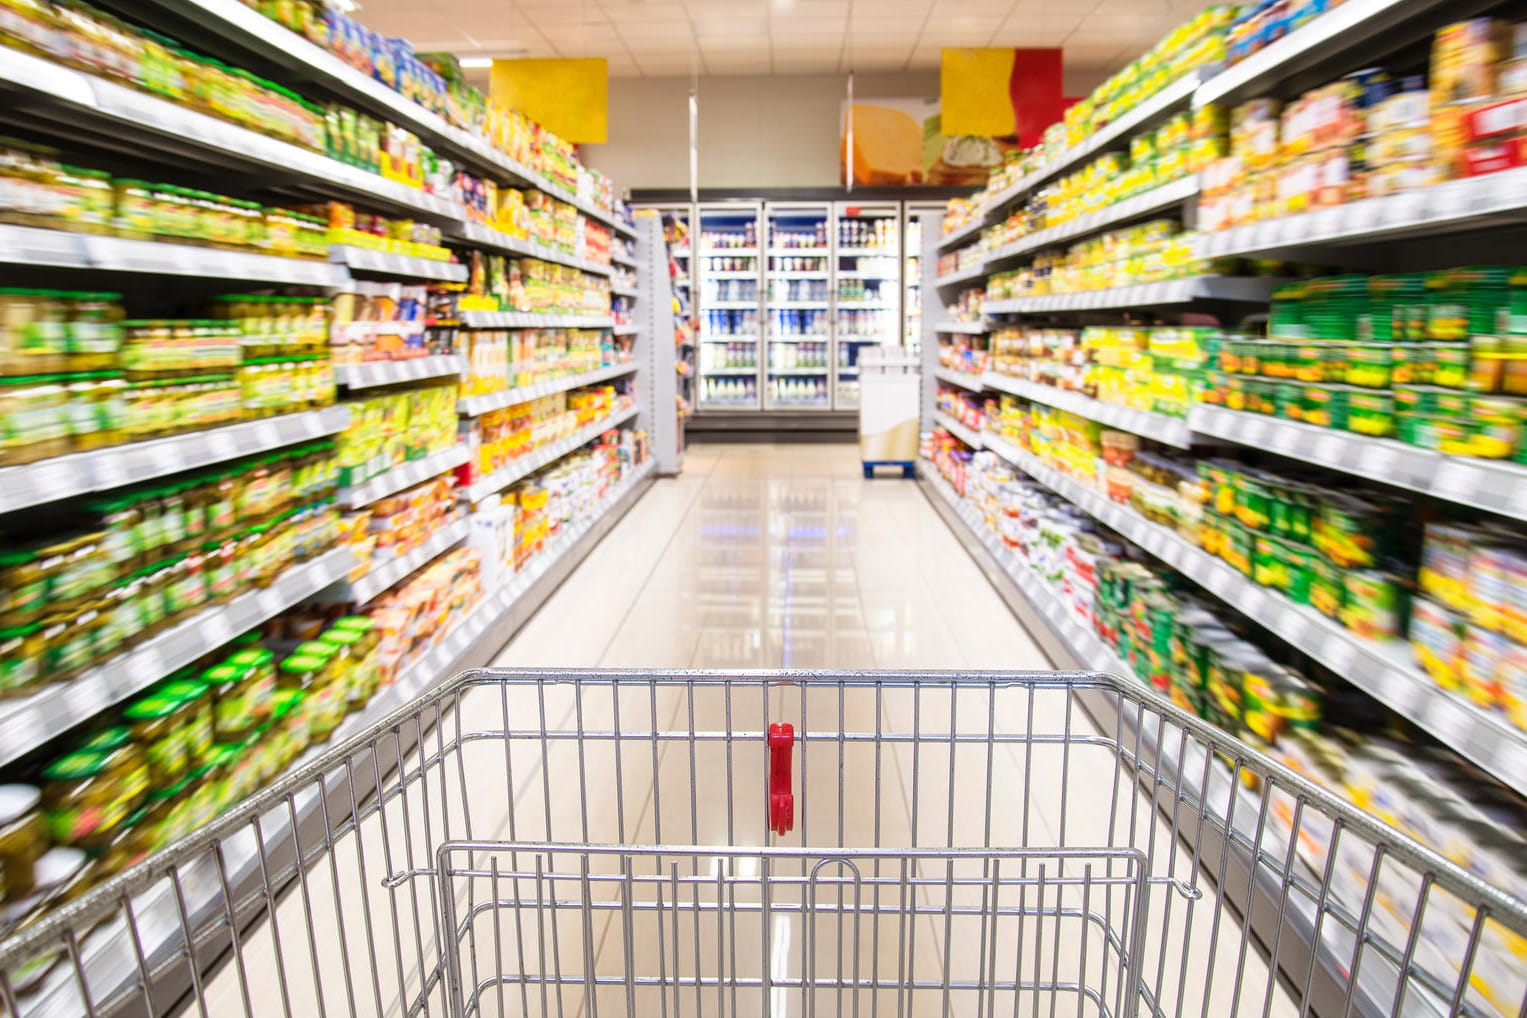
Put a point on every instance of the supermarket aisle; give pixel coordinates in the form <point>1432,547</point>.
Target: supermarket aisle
<point>764,556</point>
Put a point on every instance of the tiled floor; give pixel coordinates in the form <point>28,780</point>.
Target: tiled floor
<point>956,860</point>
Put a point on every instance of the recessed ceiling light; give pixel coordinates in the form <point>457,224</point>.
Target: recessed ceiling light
<point>472,63</point>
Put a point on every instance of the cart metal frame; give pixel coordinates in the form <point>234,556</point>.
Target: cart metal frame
<point>566,842</point>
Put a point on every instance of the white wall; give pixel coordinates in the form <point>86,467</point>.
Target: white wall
<point>755,131</point>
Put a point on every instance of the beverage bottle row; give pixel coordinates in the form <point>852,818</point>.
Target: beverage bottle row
<point>794,238</point>
<point>731,289</point>
<point>788,322</point>
<point>798,290</point>
<point>732,263</point>
<point>747,236</point>
<point>798,263</point>
<point>798,390</point>
<point>861,289</point>
<point>728,355</point>
<point>730,323</point>
<point>798,355</point>
<point>877,233</point>
<point>728,390</point>
<point>866,323</point>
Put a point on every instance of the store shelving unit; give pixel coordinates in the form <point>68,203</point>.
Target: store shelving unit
<point>95,117</point>
<point>1070,645</point>
<point>1384,670</point>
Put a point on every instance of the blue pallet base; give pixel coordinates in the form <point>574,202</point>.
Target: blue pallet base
<point>907,467</point>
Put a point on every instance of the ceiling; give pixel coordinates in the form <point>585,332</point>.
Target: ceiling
<point>662,38</point>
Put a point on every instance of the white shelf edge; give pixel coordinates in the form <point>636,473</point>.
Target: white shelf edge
<point>403,476</point>
<point>533,320</point>
<point>951,326</point>
<point>1492,485</point>
<point>976,271</point>
<point>1170,430</point>
<point>31,245</point>
<point>1451,204</point>
<point>502,478</point>
<point>470,232</point>
<point>476,406</point>
<point>1169,291</point>
<point>958,430</point>
<point>363,259</point>
<point>118,466</point>
<point>963,379</point>
<point>371,374</point>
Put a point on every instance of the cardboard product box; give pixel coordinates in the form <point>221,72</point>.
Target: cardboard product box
<point>1467,58</point>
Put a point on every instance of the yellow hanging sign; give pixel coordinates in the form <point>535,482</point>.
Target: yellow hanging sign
<point>568,97</point>
<point>973,84</point>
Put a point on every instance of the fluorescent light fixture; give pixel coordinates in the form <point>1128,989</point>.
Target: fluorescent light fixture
<point>473,63</point>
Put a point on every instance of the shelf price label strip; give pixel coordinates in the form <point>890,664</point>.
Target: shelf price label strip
<point>404,476</point>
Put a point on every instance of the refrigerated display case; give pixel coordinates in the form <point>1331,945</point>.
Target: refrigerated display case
<point>728,273</point>
<point>797,307</point>
<point>867,289</point>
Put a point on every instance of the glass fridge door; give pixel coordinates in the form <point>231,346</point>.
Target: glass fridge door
<point>729,278</point>
<point>867,297</point>
<point>798,308</point>
<point>911,275</point>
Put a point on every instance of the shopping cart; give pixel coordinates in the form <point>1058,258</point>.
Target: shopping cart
<point>632,843</point>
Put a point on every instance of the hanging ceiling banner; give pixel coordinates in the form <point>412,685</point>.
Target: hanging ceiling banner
<point>570,97</point>
<point>1005,94</point>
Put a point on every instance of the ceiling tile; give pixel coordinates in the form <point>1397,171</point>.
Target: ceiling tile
<point>737,65</point>
<point>731,25</point>
<point>793,28</point>
<point>644,31</point>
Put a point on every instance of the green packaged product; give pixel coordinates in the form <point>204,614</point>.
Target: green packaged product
<point>1374,604</point>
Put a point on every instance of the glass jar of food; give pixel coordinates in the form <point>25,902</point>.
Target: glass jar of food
<point>23,840</point>
<point>194,715</point>
<point>299,672</point>
<point>89,793</point>
<point>157,728</point>
<point>94,331</point>
<point>136,209</point>
<point>34,420</point>
<point>22,650</point>
<point>25,577</point>
<point>259,664</point>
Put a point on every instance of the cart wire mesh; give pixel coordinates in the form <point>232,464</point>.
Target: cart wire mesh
<point>577,843</point>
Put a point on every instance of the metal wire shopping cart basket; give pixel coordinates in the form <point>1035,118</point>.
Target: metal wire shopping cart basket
<point>635,843</point>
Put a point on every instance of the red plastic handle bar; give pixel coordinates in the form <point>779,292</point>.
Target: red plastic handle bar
<point>781,799</point>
